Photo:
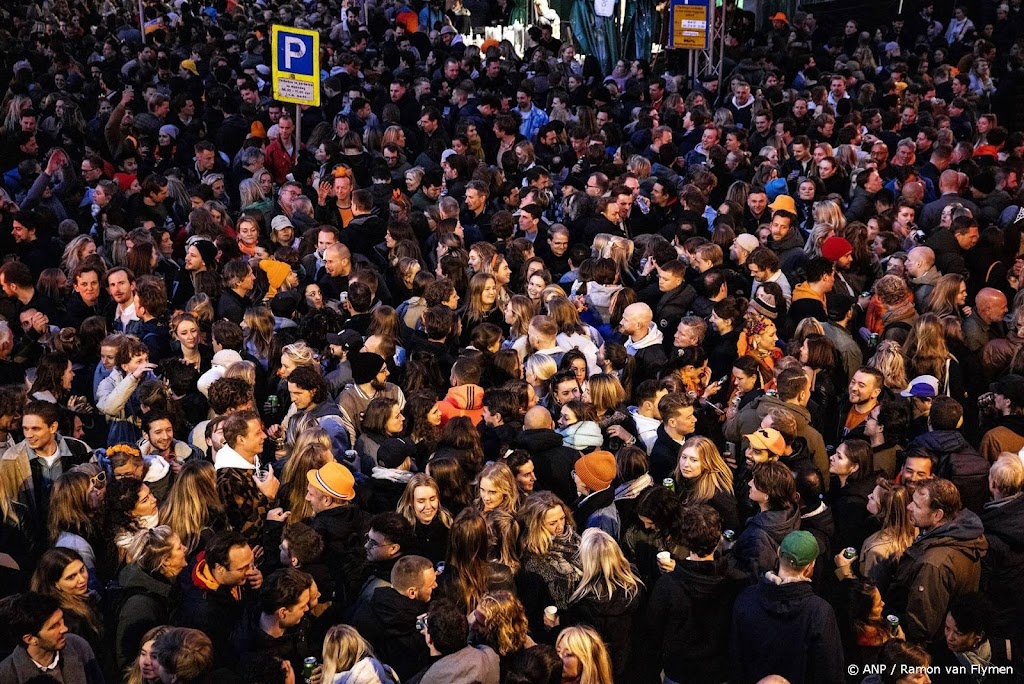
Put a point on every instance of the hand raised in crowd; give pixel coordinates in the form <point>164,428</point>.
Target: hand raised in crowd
<point>143,369</point>
<point>56,161</point>
<point>323,191</point>
<point>40,322</point>
<point>268,485</point>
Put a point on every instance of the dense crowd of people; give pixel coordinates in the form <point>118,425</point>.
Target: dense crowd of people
<point>541,368</point>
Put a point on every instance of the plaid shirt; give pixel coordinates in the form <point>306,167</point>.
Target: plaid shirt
<point>244,503</point>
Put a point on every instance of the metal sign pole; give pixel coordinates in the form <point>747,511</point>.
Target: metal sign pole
<point>142,22</point>
<point>298,131</point>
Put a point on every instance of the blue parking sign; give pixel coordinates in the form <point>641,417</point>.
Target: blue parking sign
<point>295,65</point>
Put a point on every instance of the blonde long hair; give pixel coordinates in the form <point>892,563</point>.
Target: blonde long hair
<point>535,537</point>
<point>942,301</point>
<point>405,504</point>
<point>9,488</point>
<point>301,354</point>
<point>605,569</point>
<point>503,529</point>
<point>829,212</point>
<point>504,481</point>
<point>133,673</point>
<point>308,432</point>
<point>344,646</point>
<point>523,310</point>
<point>504,626</point>
<point>715,475</point>
<point>258,324</point>
<point>606,392</point>
<point>926,347</point>
<point>191,499</point>
<point>586,644</point>
<point>69,506</point>
<point>897,526</point>
<point>889,360</point>
<point>312,456</point>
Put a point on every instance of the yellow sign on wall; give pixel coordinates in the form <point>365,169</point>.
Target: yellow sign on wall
<point>689,26</point>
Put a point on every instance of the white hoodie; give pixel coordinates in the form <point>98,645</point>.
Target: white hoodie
<point>646,428</point>
<point>652,338</point>
<point>158,468</point>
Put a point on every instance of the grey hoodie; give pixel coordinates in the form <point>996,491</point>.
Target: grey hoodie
<point>470,665</point>
<point>599,298</point>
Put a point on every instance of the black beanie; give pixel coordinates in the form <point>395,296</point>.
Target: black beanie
<point>365,366</point>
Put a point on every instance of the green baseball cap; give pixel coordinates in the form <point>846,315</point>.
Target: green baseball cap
<point>800,548</point>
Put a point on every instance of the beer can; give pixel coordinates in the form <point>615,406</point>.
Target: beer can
<point>308,666</point>
<point>894,624</point>
<point>849,553</point>
<point>669,484</point>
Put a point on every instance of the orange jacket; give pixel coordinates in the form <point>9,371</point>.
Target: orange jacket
<point>463,400</point>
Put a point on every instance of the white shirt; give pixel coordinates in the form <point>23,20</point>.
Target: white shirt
<point>51,666</point>
<point>126,314</point>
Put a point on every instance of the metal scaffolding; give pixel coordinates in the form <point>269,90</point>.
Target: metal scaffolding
<point>709,61</point>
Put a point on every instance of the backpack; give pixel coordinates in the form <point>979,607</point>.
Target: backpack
<point>115,597</point>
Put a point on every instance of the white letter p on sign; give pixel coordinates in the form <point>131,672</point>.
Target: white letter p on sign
<point>294,48</point>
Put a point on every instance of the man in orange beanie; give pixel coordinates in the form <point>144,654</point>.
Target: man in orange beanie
<point>593,474</point>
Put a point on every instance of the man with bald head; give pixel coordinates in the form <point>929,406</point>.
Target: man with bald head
<point>645,341</point>
<point>950,183</point>
<point>337,267</point>
<point>986,320</point>
<point>922,274</point>
<point>552,462</point>
<point>913,191</point>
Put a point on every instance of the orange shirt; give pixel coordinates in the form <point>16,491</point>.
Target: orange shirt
<point>854,419</point>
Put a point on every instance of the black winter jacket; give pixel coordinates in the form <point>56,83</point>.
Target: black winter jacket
<point>343,530</point>
<point>784,629</point>
<point>671,308</point>
<point>615,621</point>
<point>145,601</point>
<point>664,456</point>
<point>723,501</point>
<point>1002,570</point>
<point>757,548</point>
<point>689,618</point>
<point>294,645</point>
<point>388,622</point>
<point>960,463</point>
<point>849,506</point>
<point>553,462</point>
